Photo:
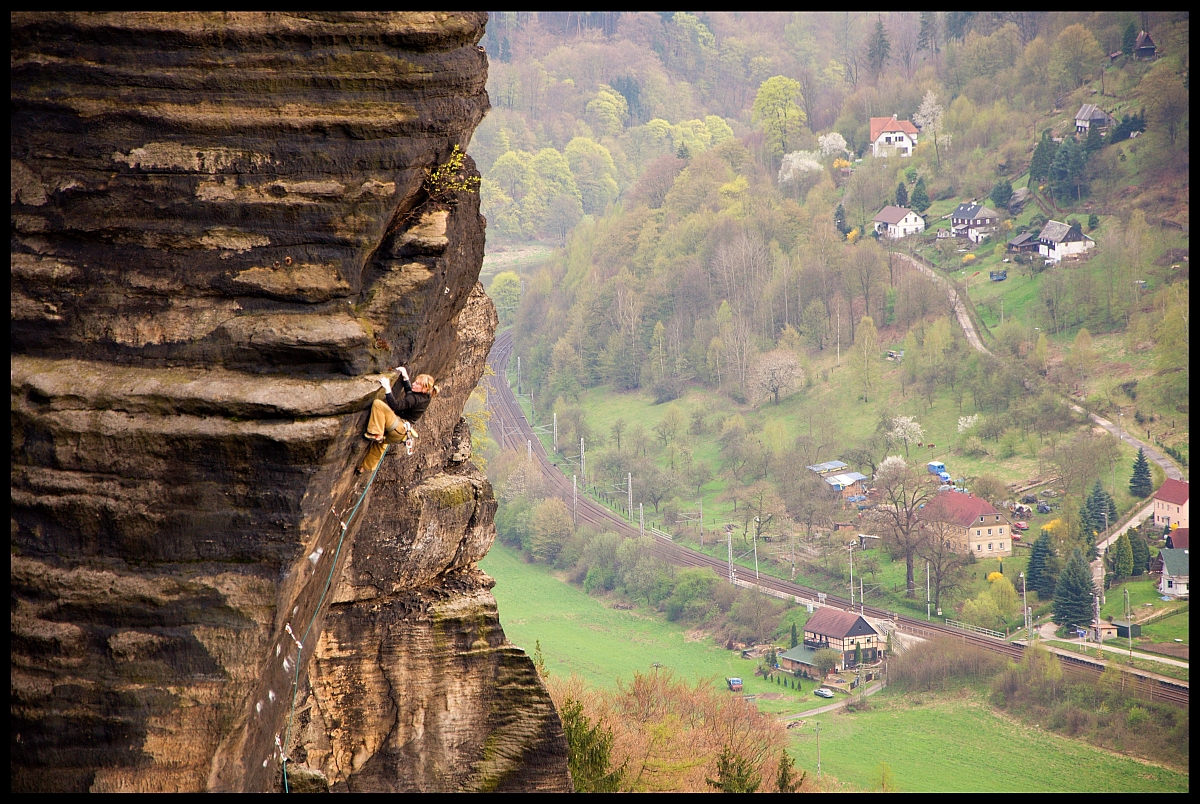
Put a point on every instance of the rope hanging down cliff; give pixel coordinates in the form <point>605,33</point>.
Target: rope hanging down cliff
<point>300,642</point>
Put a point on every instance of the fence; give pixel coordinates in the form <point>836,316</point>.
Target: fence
<point>976,629</point>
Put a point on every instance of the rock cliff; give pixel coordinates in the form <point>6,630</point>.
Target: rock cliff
<point>220,227</point>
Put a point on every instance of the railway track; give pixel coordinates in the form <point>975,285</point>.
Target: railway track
<point>512,430</point>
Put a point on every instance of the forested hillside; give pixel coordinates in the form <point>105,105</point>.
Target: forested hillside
<point>719,312</point>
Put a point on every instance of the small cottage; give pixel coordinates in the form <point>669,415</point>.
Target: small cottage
<point>897,222</point>
<point>1174,580</point>
<point>842,631</point>
<point>1026,243</point>
<point>1144,48</point>
<point>1089,115</point>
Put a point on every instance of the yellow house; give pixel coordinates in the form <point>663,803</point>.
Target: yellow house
<point>977,526</point>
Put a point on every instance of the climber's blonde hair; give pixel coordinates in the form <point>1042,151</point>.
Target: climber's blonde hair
<point>428,381</point>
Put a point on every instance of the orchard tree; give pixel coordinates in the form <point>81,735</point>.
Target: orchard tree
<point>776,374</point>
<point>905,430</point>
<point>777,112</point>
<point>929,118</point>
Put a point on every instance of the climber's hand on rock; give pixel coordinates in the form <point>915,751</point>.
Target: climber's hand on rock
<point>387,384</point>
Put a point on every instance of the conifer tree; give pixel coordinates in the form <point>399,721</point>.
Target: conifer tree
<point>1129,39</point>
<point>1141,485</point>
<point>1039,574</point>
<point>1122,558</point>
<point>1141,555</point>
<point>1043,157</point>
<point>1073,593</point>
<point>920,197</point>
<point>901,195</point>
<point>839,219</point>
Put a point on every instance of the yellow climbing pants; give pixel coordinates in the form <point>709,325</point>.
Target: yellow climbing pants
<point>383,422</point>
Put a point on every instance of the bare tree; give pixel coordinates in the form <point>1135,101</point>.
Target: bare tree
<point>946,556</point>
<point>776,374</point>
<point>903,490</point>
<point>929,118</point>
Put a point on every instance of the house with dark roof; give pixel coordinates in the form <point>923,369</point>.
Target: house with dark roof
<point>890,136</point>
<point>1024,243</point>
<point>971,522</point>
<point>974,221</point>
<point>1058,240</point>
<point>842,631</point>
<point>1171,504</point>
<point>1174,580</point>
<point>897,222</point>
<point>1089,115</point>
<point>1144,47</point>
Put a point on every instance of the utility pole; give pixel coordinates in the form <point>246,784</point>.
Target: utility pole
<point>702,522</point>
<point>1129,622</point>
<point>839,343</point>
<point>582,470</point>
<point>556,431</point>
<point>642,519</point>
<point>851,547</point>
<point>927,615</point>
<point>518,374</point>
<point>756,528</point>
<point>574,499</point>
<point>1025,605</point>
<point>729,541</point>
<point>528,450</point>
<point>629,484</point>
<point>818,750</point>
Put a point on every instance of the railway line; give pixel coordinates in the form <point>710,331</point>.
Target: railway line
<point>512,430</point>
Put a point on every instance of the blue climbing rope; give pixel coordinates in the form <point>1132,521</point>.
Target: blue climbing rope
<point>303,641</point>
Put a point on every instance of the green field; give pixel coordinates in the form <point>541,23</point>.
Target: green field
<point>940,744</point>
<point>957,743</point>
<point>581,635</point>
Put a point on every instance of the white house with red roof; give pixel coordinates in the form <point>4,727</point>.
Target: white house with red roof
<point>1171,504</point>
<point>892,137</point>
<point>975,524</point>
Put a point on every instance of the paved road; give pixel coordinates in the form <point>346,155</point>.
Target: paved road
<point>960,309</point>
<point>1046,631</point>
<point>833,707</point>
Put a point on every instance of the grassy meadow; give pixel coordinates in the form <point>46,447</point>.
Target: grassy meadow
<point>943,743</point>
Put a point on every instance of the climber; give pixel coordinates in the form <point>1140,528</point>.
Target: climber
<point>391,417</point>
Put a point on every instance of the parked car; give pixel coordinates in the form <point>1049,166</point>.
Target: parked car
<point>1043,508</point>
<point>823,692</point>
<point>1020,525</point>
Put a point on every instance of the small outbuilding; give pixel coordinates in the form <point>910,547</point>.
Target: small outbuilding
<point>1127,629</point>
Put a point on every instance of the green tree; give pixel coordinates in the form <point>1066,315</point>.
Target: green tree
<point>901,195</point>
<point>1141,484</point>
<point>505,292</point>
<point>929,34</point>
<point>1093,222</point>
<point>1166,98</point>
<point>786,780</point>
<point>1094,141</point>
<point>1141,555</point>
<point>1074,55</point>
<point>794,641</point>
<point>920,197</point>
<point>825,661</point>
<point>1043,157</point>
<point>608,111</point>
<point>735,774</point>
<point>866,357</point>
<point>1129,39</point>
<point>551,527</point>
<point>1073,593</point>
<point>1122,557</point>
<point>594,173</point>
<point>1039,574</point>
<point>880,47</point>
<point>777,112</point>
<point>839,219</point>
<point>1001,194</point>
<point>589,751</point>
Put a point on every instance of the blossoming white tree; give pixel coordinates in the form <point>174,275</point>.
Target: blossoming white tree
<point>796,164</point>
<point>905,430</point>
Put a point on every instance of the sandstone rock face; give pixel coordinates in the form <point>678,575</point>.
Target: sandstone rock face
<point>219,231</point>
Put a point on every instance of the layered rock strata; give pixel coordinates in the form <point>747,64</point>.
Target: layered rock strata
<point>220,228</point>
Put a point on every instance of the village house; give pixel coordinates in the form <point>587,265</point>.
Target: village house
<point>1089,115</point>
<point>897,222</point>
<point>974,524</point>
<point>1174,580</point>
<point>1171,504</point>
<point>974,222</point>
<point>1144,48</point>
<point>1058,240</point>
<point>1179,539</point>
<point>890,136</point>
<point>841,631</point>
<point>1026,243</point>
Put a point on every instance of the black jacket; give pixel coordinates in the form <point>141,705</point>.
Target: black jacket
<point>408,404</point>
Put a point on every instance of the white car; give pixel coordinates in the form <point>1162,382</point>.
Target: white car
<point>823,692</point>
